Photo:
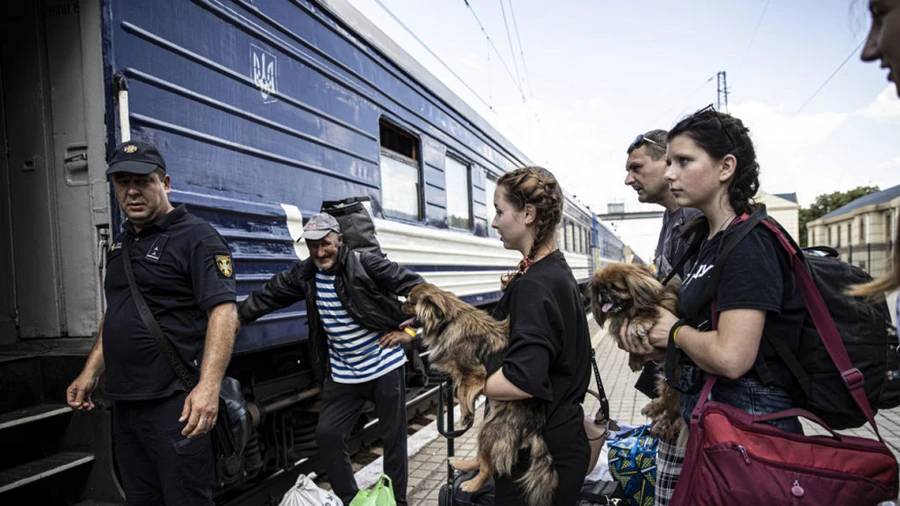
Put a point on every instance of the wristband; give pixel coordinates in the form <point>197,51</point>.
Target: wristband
<point>409,330</point>
<point>673,332</point>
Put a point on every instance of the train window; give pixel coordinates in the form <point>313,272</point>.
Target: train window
<point>459,194</point>
<point>400,174</point>
<point>489,188</point>
<point>571,231</point>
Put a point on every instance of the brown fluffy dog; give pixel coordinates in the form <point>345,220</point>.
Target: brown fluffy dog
<point>629,291</point>
<point>460,337</point>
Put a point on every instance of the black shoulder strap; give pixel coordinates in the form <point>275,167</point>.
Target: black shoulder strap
<point>150,321</point>
<point>692,251</point>
<point>740,232</point>
<point>604,402</point>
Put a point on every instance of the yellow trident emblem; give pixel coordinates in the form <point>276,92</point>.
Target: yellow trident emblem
<point>223,262</point>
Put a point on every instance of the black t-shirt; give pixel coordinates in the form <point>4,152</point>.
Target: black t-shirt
<point>183,268</point>
<point>756,275</point>
<point>549,343</point>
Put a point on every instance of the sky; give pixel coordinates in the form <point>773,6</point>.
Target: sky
<point>596,73</point>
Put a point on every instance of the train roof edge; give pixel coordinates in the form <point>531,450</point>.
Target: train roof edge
<point>346,13</point>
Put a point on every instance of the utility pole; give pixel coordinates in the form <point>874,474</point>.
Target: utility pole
<point>721,91</point>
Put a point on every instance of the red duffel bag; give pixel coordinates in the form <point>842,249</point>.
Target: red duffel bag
<point>734,457</point>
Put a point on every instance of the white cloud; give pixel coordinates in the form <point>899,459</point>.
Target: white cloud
<point>784,148</point>
<point>886,105</point>
<point>890,164</point>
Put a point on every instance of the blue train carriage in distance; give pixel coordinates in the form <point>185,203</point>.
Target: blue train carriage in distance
<point>262,109</point>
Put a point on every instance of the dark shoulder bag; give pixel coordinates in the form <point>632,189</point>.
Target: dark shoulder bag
<point>232,432</point>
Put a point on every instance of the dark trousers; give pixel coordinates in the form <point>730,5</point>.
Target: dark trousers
<point>568,444</point>
<point>157,465</point>
<point>341,406</point>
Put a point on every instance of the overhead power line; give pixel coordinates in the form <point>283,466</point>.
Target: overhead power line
<point>499,56</point>
<point>521,49</point>
<point>838,69</point>
<point>432,53</point>
<point>512,51</point>
<point>753,36</point>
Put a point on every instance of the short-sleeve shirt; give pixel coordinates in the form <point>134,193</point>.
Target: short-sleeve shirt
<point>549,343</point>
<point>756,275</point>
<point>183,268</point>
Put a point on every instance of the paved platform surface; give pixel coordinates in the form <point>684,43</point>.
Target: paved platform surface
<point>428,467</point>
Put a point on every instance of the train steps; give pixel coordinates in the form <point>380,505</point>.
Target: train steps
<point>49,453</point>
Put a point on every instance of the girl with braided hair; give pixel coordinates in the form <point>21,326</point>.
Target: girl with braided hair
<point>549,345</point>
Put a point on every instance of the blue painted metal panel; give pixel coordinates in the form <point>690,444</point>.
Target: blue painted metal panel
<point>269,102</point>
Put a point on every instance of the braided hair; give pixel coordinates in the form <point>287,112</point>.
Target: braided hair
<point>536,186</point>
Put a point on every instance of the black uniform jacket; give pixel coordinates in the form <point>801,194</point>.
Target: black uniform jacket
<point>367,285</point>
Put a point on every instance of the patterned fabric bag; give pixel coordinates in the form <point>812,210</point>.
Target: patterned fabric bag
<point>632,462</point>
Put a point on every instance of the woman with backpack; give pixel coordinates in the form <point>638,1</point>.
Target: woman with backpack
<point>713,167</point>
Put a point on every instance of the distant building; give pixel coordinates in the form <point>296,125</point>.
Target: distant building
<point>784,208</point>
<point>863,231</point>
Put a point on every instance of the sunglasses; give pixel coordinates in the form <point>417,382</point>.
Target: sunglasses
<point>711,109</point>
<point>640,139</point>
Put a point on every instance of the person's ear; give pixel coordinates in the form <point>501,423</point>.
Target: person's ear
<point>727,168</point>
<point>530,214</point>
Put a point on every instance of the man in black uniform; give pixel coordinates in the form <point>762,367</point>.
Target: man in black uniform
<point>646,171</point>
<point>183,268</point>
<point>353,312</point>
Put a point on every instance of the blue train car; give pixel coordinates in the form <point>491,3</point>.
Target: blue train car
<point>262,109</point>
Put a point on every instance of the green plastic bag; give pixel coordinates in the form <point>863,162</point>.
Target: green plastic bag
<point>382,494</point>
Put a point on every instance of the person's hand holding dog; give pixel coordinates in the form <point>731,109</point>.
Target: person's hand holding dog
<point>393,338</point>
<point>657,338</point>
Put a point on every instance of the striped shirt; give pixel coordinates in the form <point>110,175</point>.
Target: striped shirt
<point>352,350</point>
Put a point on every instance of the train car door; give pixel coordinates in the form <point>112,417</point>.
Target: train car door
<point>51,77</point>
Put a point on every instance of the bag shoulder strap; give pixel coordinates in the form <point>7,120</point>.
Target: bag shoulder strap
<point>604,402</point>
<point>691,251</point>
<point>150,322</point>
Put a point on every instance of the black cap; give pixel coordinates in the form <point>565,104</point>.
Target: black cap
<point>136,157</point>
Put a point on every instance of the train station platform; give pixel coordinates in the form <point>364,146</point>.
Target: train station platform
<point>428,450</point>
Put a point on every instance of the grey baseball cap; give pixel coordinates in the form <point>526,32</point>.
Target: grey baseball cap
<point>320,225</point>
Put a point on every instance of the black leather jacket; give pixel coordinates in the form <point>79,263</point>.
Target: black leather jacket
<point>367,285</point>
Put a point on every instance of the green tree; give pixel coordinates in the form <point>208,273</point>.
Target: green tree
<point>827,202</point>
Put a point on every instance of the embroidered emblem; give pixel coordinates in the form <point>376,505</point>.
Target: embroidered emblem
<point>223,262</point>
<point>156,249</point>
<point>131,148</point>
<point>114,246</point>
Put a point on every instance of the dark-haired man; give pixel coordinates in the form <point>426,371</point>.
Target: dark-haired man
<point>646,169</point>
<point>183,269</point>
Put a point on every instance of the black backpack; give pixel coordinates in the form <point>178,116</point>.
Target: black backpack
<point>864,326</point>
<point>356,223</point>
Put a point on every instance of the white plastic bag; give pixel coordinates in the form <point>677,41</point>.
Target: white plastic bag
<point>601,471</point>
<point>306,493</point>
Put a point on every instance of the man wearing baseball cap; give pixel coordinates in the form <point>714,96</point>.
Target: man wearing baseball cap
<point>183,269</point>
<point>354,315</point>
